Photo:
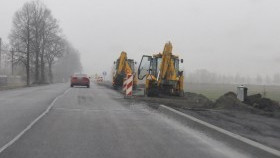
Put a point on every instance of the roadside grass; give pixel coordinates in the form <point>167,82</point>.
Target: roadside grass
<point>12,86</point>
<point>214,91</point>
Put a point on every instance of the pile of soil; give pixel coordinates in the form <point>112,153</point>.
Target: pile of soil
<point>189,101</point>
<point>197,100</point>
<point>230,101</point>
<point>252,103</point>
<point>265,104</point>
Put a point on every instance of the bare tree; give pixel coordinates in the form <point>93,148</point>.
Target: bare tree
<point>68,64</point>
<point>36,40</point>
<point>38,10</point>
<point>5,58</point>
<point>21,37</point>
<point>54,50</point>
<point>50,35</point>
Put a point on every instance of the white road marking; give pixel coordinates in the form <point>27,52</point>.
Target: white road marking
<point>236,136</point>
<point>11,142</point>
<point>104,110</point>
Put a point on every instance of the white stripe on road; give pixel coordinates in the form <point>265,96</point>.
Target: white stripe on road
<point>32,123</point>
<point>228,133</point>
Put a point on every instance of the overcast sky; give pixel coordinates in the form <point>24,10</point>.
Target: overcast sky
<point>223,36</point>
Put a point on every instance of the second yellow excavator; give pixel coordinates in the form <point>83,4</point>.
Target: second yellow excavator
<point>123,66</point>
<point>162,73</point>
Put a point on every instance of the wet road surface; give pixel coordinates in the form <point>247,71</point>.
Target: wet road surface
<point>96,122</point>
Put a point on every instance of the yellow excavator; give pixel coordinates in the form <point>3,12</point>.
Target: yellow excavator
<point>123,66</point>
<point>162,73</point>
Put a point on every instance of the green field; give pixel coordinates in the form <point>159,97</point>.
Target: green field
<point>213,91</point>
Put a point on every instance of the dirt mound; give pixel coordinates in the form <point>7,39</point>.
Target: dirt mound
<point>197,100</point>
<point>252,99</point>
<point>230,101</point>
<point>189,101</point>
<point>265,104</point>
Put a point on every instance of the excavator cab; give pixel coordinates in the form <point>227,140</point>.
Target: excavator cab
<point>162,73</point>
<point>144,67</point>
<point>151,65</point>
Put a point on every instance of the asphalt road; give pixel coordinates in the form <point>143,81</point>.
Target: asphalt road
<point>19,107</point>
<point>96,122</point>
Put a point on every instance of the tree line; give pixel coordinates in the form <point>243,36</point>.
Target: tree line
<point>37,43</point>
<point>205,76</point>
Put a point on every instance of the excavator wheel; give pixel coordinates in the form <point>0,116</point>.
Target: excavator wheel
<point>152,92</point>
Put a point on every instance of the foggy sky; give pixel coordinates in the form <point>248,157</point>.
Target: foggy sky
<point>223,36</point>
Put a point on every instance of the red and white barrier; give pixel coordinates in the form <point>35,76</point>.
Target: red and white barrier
<point>124,84</point>
<point>129,85</point>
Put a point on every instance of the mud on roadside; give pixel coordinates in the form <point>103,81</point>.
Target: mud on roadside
<point>227,112</point>
<point>258,125</point>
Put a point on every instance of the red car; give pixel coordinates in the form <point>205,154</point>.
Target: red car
<point>80,80</point>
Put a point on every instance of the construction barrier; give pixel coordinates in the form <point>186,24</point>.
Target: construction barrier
<point>129,85</point>
<point>124,84</point>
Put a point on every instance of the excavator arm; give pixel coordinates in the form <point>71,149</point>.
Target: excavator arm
<point>123,66</point>
<point>167,69</point>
